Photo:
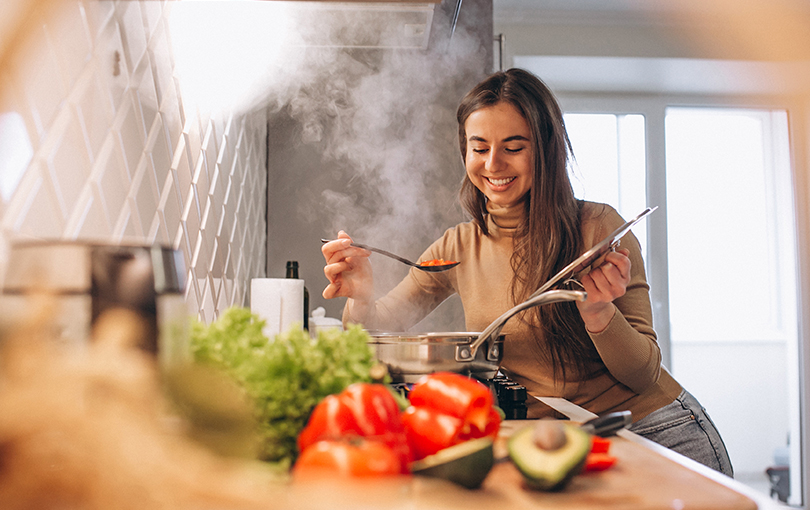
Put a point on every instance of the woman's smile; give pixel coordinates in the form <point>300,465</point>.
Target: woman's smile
<point>500,182</point>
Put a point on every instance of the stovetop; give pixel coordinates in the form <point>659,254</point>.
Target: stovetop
<point>510,396</point>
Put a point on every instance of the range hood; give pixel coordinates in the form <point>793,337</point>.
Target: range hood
<point>361,24</point>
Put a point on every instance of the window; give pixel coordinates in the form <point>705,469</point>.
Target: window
<point>732,267</point>
<point>723,177</point>
<point>609,162</point>
<point>729,225</point>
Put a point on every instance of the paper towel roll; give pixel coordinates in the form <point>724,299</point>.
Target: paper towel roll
<point>279,301</point>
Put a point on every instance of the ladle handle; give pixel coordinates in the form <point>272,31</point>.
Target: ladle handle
<point>494,329</point>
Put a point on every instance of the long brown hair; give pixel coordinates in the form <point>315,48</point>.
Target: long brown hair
<point>549,238</point>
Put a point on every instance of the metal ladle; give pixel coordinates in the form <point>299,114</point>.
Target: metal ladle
<point>429,269</point>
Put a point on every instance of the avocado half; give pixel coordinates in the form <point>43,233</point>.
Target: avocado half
<point>549,470</point>
<point>466,464</point>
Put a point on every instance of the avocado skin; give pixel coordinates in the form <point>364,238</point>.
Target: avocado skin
<point>466,465</point>
<point>536,465</point>
<point>545,486</point>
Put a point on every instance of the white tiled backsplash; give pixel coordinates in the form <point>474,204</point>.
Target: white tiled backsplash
<point>116,155</point>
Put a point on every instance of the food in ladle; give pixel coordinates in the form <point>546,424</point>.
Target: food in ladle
<point>437,262</point>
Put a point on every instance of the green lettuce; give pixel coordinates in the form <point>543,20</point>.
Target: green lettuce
<point>285,376</point>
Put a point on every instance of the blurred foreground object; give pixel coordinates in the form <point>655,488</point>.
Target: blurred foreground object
<point>88,427</point>
<point>87,279</point>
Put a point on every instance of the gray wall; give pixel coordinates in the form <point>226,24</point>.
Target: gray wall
<point>369,145</point>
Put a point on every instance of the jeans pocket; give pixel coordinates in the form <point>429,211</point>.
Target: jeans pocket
<point>671,415</point>
<point>654,426</point>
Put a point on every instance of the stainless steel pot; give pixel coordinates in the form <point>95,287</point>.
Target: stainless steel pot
<point>85,280</point>
<point>410,356</point>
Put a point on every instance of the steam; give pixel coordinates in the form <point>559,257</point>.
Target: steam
<point>359,139</point>
<point>383,124</point>
<point>394,144</point>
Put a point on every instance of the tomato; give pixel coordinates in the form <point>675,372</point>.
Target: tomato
<point>598,462</point>
<point>456,395</point>
<point>347,457</point>
<point>429,430</point>
<point>362,410</point>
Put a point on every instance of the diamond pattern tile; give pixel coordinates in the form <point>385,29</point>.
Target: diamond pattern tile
<point>117,156</point>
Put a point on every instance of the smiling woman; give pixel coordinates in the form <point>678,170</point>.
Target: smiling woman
<point>601,353</point>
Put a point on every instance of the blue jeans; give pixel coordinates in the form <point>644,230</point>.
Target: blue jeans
<point>685,427</point>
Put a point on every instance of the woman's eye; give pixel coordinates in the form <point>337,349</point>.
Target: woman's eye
<point>514,151</point>
<point>479,150</point>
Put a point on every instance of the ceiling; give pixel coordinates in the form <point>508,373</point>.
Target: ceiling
<point>768,39</point>
<point>639,11</point>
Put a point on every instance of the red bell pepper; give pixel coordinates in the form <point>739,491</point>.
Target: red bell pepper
<point>447,409</point>
<point>331,419</point>
<point>599,462</point>
<point>364,410</point>
<point>598,458</point>
<point>347,457</point>
<point>429,430</point>
<point>600,444</point>
<point>456,395</point>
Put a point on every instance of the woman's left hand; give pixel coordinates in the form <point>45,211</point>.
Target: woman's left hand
<point>603,284</point>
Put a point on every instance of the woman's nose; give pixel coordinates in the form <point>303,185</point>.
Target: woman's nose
<point>494,161</point>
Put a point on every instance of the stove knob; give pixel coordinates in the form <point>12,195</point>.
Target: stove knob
<point>512,393</point>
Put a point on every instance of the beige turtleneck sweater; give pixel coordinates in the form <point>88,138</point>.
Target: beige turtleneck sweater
<point>634,380</point>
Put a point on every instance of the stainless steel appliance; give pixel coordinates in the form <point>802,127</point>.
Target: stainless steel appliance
<point>83,280</point>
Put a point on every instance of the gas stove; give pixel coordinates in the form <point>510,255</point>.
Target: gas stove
<point>510,396</point>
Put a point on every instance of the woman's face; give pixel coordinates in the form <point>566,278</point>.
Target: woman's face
<point>499,159</point>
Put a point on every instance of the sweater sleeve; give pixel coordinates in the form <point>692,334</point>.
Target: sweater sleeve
<point>628,345</point>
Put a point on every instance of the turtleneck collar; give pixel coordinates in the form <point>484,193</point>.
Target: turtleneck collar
<point>504,220</point>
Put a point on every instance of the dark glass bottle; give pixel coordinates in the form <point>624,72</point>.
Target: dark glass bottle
<point>292,272</point>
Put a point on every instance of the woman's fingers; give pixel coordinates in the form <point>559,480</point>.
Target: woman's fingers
<point>332,271</point>
<point>347,269</point>
<point>331,290</point>
<point>334,250</point>
<point>603,284</point>
<point>620,260</point>
<point>610,279</point>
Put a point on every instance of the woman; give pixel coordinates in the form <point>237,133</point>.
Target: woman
<point>526,226</point>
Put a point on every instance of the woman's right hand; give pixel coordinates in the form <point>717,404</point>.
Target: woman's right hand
<point>348,270</point>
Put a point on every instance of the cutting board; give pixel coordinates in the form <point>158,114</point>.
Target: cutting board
<point>640,480</point>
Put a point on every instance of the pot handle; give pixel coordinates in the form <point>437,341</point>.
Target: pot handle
<point>467,352</point>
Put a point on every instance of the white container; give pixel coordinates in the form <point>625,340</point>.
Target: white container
<point>318,320</point>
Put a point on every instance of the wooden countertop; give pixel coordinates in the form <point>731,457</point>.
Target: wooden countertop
<point>646,476</point>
